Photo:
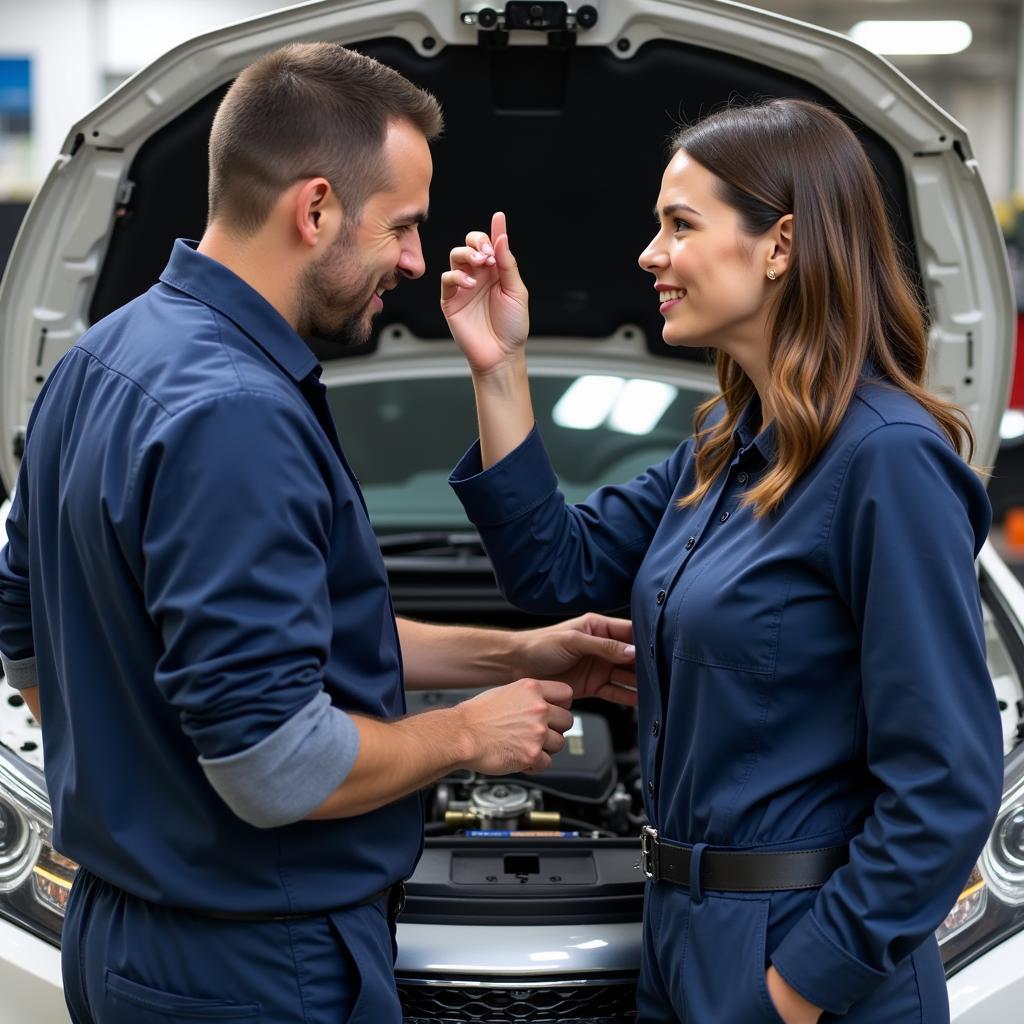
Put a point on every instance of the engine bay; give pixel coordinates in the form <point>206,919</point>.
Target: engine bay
<point>591,789</point>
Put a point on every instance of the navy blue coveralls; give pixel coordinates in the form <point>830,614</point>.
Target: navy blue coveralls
<point>192,579</point>
<point>811,678</point>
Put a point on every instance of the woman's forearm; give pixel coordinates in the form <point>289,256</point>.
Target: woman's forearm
<point>504,409</point>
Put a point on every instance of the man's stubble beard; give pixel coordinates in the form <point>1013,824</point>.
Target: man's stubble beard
<point>331,297</point>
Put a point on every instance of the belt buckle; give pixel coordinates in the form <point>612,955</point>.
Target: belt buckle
<point>648,852</point>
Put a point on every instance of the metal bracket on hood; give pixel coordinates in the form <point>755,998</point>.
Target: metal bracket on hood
<point>550,16</point>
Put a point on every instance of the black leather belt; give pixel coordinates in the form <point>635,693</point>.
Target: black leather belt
<point>395,895</point>
<point>662,860</point>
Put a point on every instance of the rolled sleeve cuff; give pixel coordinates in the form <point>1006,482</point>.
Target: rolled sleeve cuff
<point>20,674</point>
<point>510,488</point>
<point>822,972</point>
<point>290,772</point>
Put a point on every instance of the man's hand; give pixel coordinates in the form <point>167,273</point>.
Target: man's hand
<point>516,727</point>
<point>594,654</point>
<point>789,1004</point>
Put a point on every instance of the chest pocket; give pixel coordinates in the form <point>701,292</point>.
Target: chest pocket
<point>727,609</point>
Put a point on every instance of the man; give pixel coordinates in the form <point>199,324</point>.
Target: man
<point>209,643</point>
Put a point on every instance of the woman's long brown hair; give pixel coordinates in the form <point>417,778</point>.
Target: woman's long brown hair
<point>844,298</point>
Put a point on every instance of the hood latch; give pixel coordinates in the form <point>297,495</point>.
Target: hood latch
<point>550,16</point>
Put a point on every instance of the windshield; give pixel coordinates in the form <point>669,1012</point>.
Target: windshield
<point>403,437</point>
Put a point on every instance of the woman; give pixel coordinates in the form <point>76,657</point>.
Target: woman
<point>818,732</point>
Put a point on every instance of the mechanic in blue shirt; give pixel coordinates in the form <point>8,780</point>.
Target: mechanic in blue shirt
<point>193,601</point>
<point>819,737</point>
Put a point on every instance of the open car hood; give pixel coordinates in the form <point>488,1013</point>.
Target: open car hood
<point>564,126</point>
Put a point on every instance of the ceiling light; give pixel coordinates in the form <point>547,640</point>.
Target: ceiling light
<point>907,38</point>
<point>640,406</point>
<point>587,402</point>
<point>1012,426</point>
<point>628,406</point>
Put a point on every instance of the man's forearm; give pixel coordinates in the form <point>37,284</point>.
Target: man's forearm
<point>31,697</point>
<point>397,758</point>
<point>455,657</point>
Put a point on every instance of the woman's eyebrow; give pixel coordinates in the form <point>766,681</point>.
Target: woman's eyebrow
<point>673,208</point>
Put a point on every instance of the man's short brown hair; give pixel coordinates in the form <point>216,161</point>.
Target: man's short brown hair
<point>303,111</point>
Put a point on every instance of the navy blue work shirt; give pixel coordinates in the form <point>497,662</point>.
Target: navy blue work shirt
<point>192,579</point>
<point>809,678</point>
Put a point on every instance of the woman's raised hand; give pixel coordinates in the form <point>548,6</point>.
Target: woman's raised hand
<point>485,301</point>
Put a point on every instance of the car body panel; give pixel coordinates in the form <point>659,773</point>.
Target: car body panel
<point>990,990</point>
<point>30,982</point>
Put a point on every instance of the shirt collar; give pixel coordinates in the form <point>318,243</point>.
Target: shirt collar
<point>214,285</point>
<point>746,434</point>
<point>766,442</point>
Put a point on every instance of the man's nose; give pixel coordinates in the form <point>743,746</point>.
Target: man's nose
<point>411,262</point>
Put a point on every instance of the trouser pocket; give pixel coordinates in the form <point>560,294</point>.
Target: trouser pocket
<point>366,934</point>
<point>131,1002</point>
<point>724,963</point>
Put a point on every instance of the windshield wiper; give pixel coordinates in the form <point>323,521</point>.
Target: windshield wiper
<point>443,544</point>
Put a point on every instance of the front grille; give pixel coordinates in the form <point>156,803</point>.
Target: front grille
<point>571,1002</point>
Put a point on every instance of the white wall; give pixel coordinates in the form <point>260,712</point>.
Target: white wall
<point>136,33</point>
<point>58,37</point>
<point>78,46</point>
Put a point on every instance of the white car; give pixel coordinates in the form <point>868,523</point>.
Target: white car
<point>560,115</point>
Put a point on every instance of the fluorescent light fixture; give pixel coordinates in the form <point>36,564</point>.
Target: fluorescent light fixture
<point>628,406</point>
<point>587,402</point>
<point>909,38</point>
<point>640,405</point>
<point>1012,426</point>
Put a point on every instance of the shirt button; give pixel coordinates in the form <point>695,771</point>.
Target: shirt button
<point>651,648</point>
<point>654,727</point>
<point>722,518</point>
<point>660,597</point>
<point>650,788</point>
<point>742,478</point>
<point>690,543</point>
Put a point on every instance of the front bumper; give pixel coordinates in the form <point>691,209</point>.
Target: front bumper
<point>30,982</point>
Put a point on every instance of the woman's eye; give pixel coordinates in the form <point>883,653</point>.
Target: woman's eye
<point>680,224</point>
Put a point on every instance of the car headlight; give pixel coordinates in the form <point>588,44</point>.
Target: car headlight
<point>35,879</point>
<point>991,907</point>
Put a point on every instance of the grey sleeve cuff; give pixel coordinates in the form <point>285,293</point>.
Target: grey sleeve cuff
<point>20,674</point>
<point>290,772</point>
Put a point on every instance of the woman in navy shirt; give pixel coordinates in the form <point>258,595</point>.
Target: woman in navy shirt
<point>819,737</point>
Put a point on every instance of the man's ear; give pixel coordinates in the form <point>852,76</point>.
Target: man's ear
<point>781,238</point>
<point>316,209</point>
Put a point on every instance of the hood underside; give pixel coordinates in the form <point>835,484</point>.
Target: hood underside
<point>570,143</point>
<point>567,133</point>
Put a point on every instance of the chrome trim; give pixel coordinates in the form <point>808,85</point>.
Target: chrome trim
<point>513,985</point>
<point>648,862</point>
<point>518,951</point>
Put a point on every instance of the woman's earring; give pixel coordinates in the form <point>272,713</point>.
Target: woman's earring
<point>771,274</point>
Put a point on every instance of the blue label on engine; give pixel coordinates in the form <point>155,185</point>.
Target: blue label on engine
<point>480,833</point>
